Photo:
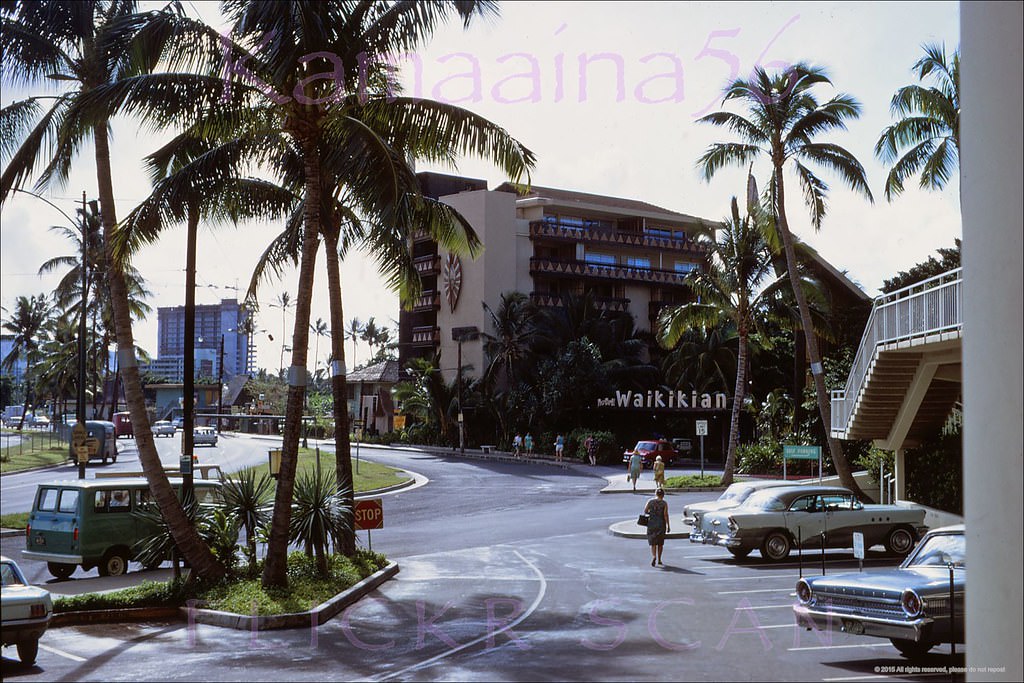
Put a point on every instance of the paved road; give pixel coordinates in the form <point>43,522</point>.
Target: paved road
<point>508,572</point>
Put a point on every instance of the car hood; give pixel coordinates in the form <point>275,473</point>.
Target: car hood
<point>711,506</point>
<point>889,581</point>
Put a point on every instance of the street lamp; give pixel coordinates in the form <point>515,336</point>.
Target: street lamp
<point>461,334</point>
<point>79,432</point>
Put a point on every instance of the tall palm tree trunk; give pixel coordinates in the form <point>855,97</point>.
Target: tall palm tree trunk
<point>276,567</point>
<point>738,396</point>
<point>195,551</point>
<point>339,386</point>
<point>813,354</point>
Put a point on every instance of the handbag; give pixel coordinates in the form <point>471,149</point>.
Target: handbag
<point>642,520</point>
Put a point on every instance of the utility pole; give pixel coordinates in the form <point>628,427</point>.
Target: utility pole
<point>80,399</point>
<point>459,335</point>
<point>220,381</point>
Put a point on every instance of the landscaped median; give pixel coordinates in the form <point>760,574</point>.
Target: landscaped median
<point>240,604</point>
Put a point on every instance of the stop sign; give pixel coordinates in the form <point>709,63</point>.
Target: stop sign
<point>369,514</point>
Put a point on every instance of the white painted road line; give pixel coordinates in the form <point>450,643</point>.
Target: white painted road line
<point>750,578</point>
<point>757,590</point>
<point>765,607</point>
<point>67,655</point>
<point>876,677</point>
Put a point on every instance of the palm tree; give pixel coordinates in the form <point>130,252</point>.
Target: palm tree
<point>729,289</point>
<point>355,331</point>
<point>27,322</point>
<point>509,350</point>
<point>89,48</point>
<point>783,117</point>
<point>320,329</point>
<point>284,302</point>
<point>926,138</point>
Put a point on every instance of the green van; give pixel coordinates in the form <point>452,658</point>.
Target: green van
<point>89,522</point>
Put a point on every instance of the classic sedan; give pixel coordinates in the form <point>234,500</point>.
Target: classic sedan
<point>649,450</point>
<point>204,436</point>
<point>776,520</point>
<point>909,605</point>
<point>26,611</point>
<point>731,497</point>
<point>163,428</point>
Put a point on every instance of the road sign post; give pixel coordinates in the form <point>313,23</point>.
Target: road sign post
<point>79,436</point>
<point>702,431</point>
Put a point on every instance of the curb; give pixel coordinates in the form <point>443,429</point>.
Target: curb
<point>317,616</point>
<point>630,529</point>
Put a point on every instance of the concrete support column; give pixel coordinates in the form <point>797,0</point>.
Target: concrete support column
<point>992,102</point>
<point>901,474</point>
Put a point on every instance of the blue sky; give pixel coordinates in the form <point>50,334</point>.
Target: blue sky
<point>637,140</point>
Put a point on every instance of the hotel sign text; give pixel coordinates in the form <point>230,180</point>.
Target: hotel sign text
<point>670,400</point>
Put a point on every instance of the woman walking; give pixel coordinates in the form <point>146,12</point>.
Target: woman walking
<point>657,525</point>
<point>635,465</point>
<point>659,473</point>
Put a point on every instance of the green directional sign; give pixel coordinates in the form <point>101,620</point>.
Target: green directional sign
<point>801,452</point>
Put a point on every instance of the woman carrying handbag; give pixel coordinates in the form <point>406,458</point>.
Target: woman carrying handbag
<point>657,525</point>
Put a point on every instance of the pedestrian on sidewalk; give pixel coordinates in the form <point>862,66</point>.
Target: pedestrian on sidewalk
<point>657,525</point>
<point>591,447</point>
<point>636,463</point>
<point>559,447</point>
<point>528,443</point>
<point>517,445</point>
<point>659,473</point>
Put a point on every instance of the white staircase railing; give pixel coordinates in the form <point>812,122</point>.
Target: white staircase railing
<point>925,309</point>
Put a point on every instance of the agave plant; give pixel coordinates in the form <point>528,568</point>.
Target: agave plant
<point>319,516</point>
<point>213,524</point>
<point>247,500</point>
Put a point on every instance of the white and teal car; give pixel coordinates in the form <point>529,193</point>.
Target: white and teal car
<point>776,520</point>
<point>25,609</point>
<point>733,496</point>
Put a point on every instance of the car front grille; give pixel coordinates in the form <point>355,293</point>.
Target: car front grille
<point>882,608</point>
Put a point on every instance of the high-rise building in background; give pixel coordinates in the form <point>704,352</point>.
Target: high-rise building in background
<point>227,320</point>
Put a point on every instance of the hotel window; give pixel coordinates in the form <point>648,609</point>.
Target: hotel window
<point>600,260</point>
<point>638,262</point>
<point>685,267</point>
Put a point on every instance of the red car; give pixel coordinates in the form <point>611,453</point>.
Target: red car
<point>649,450</point>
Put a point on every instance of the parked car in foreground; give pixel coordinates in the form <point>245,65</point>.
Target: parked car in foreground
<point>776,520</point>
<point>649,450</point>
<point>26,611</point>
<point>204,436</point>
<point>909,605</point>
<point>732,496</point>
<point>163,428</point>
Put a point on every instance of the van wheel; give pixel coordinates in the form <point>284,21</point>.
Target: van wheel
<point>27,651</point>
<point>60,570</point>
<point>114,563</point>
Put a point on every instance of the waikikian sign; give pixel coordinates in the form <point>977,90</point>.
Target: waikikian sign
<point>656,399</point>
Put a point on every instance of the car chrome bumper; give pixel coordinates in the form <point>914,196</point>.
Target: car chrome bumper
<point>698,536</point>
<point>52,557</point>
<point>854,624</point>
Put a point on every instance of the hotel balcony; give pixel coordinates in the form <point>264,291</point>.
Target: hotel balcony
<point>427,265</point>
<point>426,336</point>
<point>602,271</point>
<point>652,239</point>
<point>428,301</point>
<point>603,303</point>
<point>421,235</point>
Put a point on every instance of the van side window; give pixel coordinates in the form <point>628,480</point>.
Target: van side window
<point>101,500</point>
<point>69,500</point>
<point>119,500</point>
<point>48,500</point>
<point>142,496</point>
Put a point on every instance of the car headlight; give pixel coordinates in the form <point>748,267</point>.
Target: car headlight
<point>911,603</point>
<point>803,593</point>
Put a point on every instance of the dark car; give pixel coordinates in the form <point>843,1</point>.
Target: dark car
<point>649,450</point>
<point>909,605</point>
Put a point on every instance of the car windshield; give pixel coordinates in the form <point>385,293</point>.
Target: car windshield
<point>646,446</point>
<point>763,500</point>
<point>939,550</point>
<point>10,575</point>
<point>736,492</point>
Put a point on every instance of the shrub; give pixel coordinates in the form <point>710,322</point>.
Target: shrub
<point>762,457</point>
<point>935,473</point>
<point>608,450</point>
<point>147,594</point>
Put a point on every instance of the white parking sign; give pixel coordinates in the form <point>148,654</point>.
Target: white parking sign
<point>702,427</point>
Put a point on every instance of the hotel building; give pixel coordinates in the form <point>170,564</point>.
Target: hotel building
<point>547,243</point>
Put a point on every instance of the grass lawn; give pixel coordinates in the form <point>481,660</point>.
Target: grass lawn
<point>369,477</point>
<point>17,520</point>
<point>35,449</point>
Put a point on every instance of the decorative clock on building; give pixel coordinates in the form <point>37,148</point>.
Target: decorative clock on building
<point>452,279</point>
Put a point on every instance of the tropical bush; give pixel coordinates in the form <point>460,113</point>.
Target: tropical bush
<point>609,451</point>
<point>319,517</point>
<point>935,473</point>
<point>762,457</point>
